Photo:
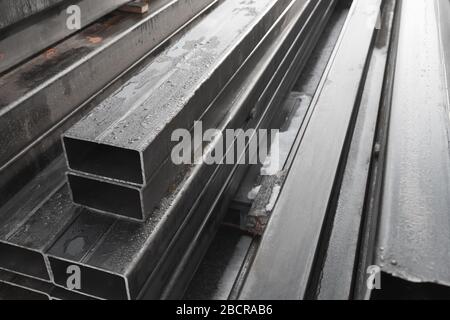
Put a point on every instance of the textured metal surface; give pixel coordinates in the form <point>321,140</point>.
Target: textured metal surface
<point>339,263</point>
<point>138,203</point>
<point>129,256</point>
<point>40,289</point>
<point>36,34</point>
<point>414,238</point>
<point>306,86</point>
<point>13,11</point>
<point>271,119</point>
<point>283,263</point>
<point>45,96</point>
<point>117,140</point>
<point>32,220</point>
<point>9,292</point>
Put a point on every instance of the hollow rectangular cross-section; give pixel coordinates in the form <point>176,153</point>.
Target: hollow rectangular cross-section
<point>135,202</point>
<point>137,259</point>
<point>128,136</point>
<point>107,197</point>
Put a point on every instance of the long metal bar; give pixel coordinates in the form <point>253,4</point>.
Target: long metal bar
<point>33,35</point>
<point>31,220</point>
<point>414,230</point>
<point>128,256</point>
<point>119,138</point>
<point>298,218</point>
<point>306,86</point>
<point>9,292</point>
<point>138,203</point>
<point>258,215</point>
<point>343,245</point>
<point>41,289</point>
<point>13,11</point>
<point>206,228</point>
<point>32,115</point>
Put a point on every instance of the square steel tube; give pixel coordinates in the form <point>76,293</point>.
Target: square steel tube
<point>128,136</point>
<point>137,202</point>
<point>129,258</point>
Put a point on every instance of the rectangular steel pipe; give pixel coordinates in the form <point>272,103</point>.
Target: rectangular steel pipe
<point>32,117</point>
<point>129,253</point>
<point>27,225</point>
<point>128,136</point>
<point>298,218</point>
<point>31,36</point>
<point>136,202</point>
<point>39,289</point>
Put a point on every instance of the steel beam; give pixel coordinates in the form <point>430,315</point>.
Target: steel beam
<point>128,137</point>
<point>134,260</point>
<point>342,249</point>
<point>414,229</point>
<point>205,227</point>
<point>137,203</point>
<point>45,96</point>
<point>27,226</point>
<point>284,261</point>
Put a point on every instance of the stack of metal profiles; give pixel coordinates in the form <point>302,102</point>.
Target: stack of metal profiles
<point>44,96</point>
<point>25,25</point>
<point>373,191</point>
<point>357,190</point>
<point>227,76</point>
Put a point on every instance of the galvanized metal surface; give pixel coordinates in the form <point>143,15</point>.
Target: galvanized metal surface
<point>138,203</point>
<point>38,33</point>
<point>170,94</point>
<point>42,98</point>
<point>283,263</point>
<point>414,238</point>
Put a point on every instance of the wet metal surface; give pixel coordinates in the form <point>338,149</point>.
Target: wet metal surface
<point>284,261</point>
<point>43,97</point>
<point>129,256</point>
<point>32,220</point>
<point>414,238</point>
<point>339,262</point>
<point>205,234</point>
<point>138,203</point>
<point>171,93</point>
<point>28,286</point>
<point>13,11</point>
<point>40,32</point>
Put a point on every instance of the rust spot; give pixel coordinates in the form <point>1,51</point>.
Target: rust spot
<point>94,39</point>
<point>50,53</point>
<point>2,56</point>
